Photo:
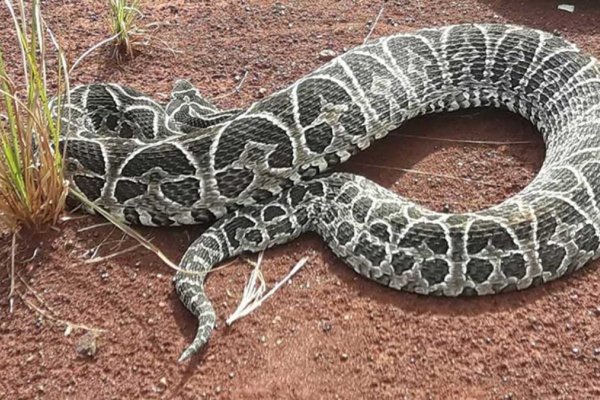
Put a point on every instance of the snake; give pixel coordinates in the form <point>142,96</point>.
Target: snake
<point>263,175</point>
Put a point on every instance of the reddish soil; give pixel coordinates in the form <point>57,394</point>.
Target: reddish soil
<point>329,333</point>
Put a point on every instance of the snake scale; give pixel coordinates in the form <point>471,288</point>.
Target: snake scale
<point>261,173</point>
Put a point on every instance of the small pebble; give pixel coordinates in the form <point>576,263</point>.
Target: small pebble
<point>87,345</point>
<point>344,357</point>
<point>162,384</point>
<point>327,54</point>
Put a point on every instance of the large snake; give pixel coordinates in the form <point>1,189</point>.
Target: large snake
<point>258,171</point>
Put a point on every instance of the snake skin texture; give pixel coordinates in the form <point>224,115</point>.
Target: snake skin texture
<point>258,172</point>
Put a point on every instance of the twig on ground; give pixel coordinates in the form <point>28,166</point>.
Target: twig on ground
<point>94,226</point>
<point>91,49</point>
<point>112,255</point>
<point>50,313</point>
<point>33,256</point>
<point>165,44</point>
<point>490,142</point>
<point>69,217</point>
<point>415,171</point>
<point>237,88</point>
<point>130,231</point>
<point>374,23</point>
<point>458,203</point>
<point>11,292</point>
<point>97,248</point>
<point>69,326</point>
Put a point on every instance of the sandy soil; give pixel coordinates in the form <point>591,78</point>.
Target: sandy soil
<point>329,333</point>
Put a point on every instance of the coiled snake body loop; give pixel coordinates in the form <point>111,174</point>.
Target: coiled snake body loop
<point>259,171</point>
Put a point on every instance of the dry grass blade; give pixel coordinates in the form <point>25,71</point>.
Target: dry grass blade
<point>97,259</point>
<point>379,14</point>
<point>46,311</point>
<point>468,141</point>
<point>416,171</point>
<point>129,231</point>
<point>254,291</point>
<point>11,292</point>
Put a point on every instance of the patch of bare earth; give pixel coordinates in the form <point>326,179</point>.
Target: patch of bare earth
<point>329,333</point>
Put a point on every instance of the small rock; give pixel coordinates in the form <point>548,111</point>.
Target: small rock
<point>576,350</point>
<point>262,91</point>
<point>104,276</point>
<point>162,384</point>
<point>344,357</point>
<point>231,375</point>
<point>597,351</point>
<point>279,8</point>
<point>327,54</point>
<point>566,7</point>
<point>87,345</point>
<point>326,326</point>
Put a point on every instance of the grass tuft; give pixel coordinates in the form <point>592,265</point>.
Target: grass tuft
<point>124,15</point>
<point>32,187</point>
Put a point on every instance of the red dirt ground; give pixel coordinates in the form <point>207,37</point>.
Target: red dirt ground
<point>329,333</point>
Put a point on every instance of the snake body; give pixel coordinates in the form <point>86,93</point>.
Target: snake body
<point>259,172</point>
